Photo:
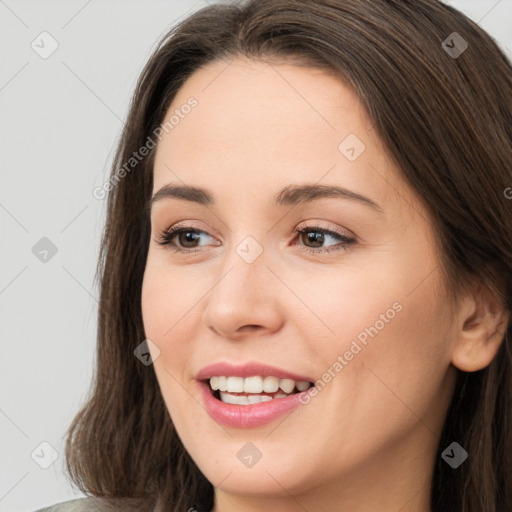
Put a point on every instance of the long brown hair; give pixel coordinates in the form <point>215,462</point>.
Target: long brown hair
<point>445,118</point>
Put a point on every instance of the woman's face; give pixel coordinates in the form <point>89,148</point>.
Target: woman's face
<point>359,309</point>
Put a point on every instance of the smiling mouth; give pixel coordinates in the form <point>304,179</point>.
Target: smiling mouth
<point>253,390</point>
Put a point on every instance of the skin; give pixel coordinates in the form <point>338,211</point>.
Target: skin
<point>368,440</point>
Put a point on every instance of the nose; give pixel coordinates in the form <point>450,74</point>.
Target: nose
<point>244,299</point>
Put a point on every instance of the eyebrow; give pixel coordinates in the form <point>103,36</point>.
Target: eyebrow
<point>289,196</point>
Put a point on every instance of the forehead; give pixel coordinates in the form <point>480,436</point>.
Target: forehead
<point>271,123</point>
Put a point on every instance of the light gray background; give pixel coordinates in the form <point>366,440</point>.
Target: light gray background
<point>60,119</point>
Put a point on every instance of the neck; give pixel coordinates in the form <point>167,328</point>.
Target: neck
<point>395,479</point>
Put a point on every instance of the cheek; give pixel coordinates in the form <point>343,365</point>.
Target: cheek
<point>390,303</point>
<point>383,371</point>
<point>384,341</point>
<point>166,313</point>
<point>171,317</point>
<point>167,299</point>
<point>395,358</point>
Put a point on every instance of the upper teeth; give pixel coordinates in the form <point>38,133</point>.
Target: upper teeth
<point>256,384</point>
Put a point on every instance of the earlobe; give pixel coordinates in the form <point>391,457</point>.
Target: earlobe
<point>481,328</point>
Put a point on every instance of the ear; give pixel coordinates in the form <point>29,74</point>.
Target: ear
<point>481,326</point>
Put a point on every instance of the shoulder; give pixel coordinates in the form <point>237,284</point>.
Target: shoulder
<point>95,504</point>
<point>76,505</point>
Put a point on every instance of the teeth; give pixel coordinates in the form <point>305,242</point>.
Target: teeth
<point>253,385</point>
<point>222,383</point>
<point>302,385</point>
<point>233,399</point>
<point>214,382</point>
<point>270,384</point>
<point>287,385</point>
<point>256,384</point>
<point>227,398</point>
<point>235,384</point>
<point>256,399</point>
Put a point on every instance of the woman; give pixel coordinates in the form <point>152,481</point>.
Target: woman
<point>306,270</point>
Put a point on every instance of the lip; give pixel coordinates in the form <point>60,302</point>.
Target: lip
<point>247,416</point>
<point>247,370</point>
<point>252,415</point>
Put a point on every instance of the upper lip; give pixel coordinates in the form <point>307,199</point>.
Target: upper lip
<point>247,370</point>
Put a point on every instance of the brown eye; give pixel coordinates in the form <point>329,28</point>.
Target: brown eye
<point>187,238</point>
<point>313,237</point>
<point>316,238</point>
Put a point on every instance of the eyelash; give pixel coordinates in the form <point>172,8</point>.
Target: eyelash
<point>166,237</point>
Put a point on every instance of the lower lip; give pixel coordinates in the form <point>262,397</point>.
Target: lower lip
<point>252,415</point>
